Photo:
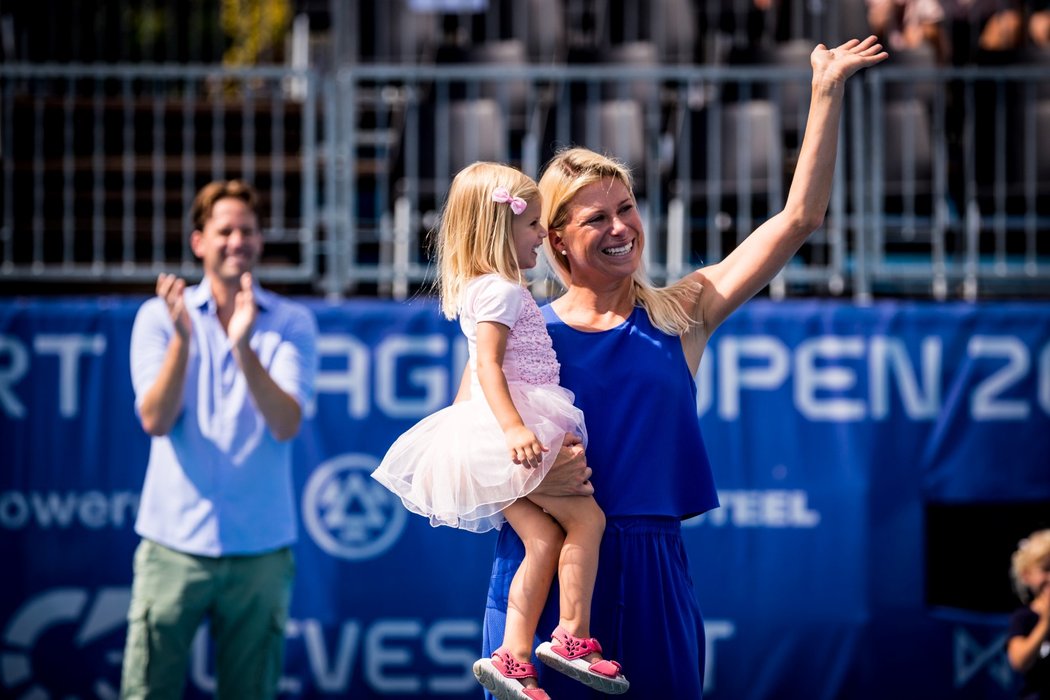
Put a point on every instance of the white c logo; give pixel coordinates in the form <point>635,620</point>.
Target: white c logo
<point>53,608</point>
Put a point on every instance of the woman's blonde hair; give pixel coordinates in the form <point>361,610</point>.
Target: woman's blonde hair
<point>1033,550</point>
<point>566,174</point>
<point>475,236</point>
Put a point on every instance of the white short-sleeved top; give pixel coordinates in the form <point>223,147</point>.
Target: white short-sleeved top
<point>529,356</point>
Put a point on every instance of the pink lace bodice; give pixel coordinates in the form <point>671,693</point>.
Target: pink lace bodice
<point>530,355</point>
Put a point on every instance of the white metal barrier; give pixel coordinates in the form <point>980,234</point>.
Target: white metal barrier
<point>101,163</point>
<point>941,190</point>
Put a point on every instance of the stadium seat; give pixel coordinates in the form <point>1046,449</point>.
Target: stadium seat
<point>907,152</point>
<point>510,93</point>
<point>633,54</point>
<point>476,132</point>
<point>622,134</point>
<point>748,138</point>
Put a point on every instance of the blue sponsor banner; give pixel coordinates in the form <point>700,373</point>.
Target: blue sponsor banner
<point>831,429</point>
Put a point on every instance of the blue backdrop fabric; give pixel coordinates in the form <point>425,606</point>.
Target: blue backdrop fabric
<point>830,428</point>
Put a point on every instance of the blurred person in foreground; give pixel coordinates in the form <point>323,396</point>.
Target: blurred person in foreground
<point>1028,639</point>
<point>222,372</point>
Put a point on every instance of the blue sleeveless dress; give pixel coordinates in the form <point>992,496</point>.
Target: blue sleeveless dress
<point>650,471</point>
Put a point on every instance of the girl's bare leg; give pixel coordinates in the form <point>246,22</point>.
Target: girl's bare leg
<point>529,588</point>
<point>584,524</point>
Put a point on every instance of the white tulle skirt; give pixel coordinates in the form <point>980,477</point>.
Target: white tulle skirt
<point>454,466</point>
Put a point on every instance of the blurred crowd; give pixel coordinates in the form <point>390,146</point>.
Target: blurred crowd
<point>962,31</point>
<point>951,32</point>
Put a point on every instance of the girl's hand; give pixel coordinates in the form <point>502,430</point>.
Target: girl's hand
<point>525,449</point>
<point>831,67</point>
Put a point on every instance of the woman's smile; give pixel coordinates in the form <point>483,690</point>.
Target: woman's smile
<point>624,249</point>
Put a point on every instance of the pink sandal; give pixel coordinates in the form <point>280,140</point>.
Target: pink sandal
<point>501,676</point>
<point>567,657</point>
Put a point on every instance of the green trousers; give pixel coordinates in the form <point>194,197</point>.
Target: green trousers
<point>246,601</point>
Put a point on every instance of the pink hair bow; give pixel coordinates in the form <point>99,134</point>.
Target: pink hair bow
<point>501,195</point>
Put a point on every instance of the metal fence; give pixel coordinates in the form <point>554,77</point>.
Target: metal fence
<point>941,189</point>
<point>101,163</point>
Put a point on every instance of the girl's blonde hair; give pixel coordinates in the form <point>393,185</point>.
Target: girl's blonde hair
<point>567,173</point>
<point>475,236</point>
<point>1033,550</point>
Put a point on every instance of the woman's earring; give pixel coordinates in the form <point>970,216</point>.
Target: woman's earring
<point>564,252</point>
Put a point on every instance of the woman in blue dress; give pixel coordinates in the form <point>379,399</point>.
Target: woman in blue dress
<point>629,352</point>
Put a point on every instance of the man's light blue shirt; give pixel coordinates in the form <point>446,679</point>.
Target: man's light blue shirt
<point>219,483</point>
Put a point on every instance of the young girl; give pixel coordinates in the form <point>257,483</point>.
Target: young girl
<point>478,462</point>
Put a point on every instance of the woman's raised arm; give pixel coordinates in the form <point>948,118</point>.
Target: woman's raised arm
<point>753,264</point>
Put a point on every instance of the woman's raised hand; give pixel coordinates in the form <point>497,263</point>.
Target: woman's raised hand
<point>831,67</point>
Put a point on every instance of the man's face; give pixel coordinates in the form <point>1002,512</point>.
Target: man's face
<point>230,243</point>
